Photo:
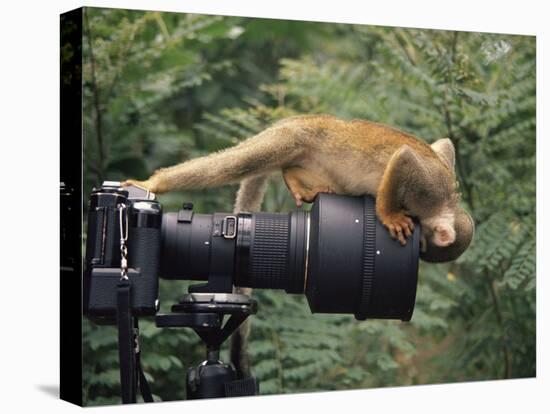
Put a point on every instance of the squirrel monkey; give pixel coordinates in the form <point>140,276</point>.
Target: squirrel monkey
<point>321,153</point>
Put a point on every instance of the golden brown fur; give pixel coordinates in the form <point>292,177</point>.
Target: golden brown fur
<point>319,153</point>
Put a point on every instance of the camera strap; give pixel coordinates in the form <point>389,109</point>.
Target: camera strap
<point>131,372</point>
<point>126,343</point>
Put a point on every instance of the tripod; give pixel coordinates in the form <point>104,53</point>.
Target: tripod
<point>205,313</point>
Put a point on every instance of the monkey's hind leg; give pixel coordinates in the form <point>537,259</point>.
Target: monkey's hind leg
<point>304,185</point>
<point>390,196</point>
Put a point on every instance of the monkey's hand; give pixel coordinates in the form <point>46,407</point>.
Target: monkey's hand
<point>399,225</point>
<point>147,184</point>
<point>404,170</point>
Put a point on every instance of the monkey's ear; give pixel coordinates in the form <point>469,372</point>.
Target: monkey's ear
<point>445,149</point>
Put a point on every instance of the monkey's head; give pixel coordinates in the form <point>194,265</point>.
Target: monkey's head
<point>449,229</point>
<point>446,242</point>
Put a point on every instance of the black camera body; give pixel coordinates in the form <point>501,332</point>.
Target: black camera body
<point>110,210</point>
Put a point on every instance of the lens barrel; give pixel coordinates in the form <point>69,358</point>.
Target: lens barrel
<point>339,255</point>
<point>354,266</point>
<point>261,250</point>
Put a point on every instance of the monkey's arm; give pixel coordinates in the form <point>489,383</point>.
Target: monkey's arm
<point>259,155</point>
<point>404,169</point>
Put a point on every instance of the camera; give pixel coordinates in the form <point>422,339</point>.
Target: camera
<point>112,212</point>
<point>338,254</point>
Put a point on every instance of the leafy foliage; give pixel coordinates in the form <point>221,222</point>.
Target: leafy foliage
<point>161,88</point>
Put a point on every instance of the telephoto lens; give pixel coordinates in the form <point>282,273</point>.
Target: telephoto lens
<point>338,254</point>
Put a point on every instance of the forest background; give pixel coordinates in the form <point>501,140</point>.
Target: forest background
<point>160,88</point>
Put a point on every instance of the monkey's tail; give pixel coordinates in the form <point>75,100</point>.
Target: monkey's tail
<point>249,198</point>
<point>260,154</point>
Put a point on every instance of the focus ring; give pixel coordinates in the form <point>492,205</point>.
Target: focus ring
<point>269,250</point>
<point>369,243</point>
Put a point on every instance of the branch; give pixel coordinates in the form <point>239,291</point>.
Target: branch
<point>498,313</point>
<point>468,190</point>
<point>279,358</point>
<point>123,54</point>
<point>162,24</point>
<point>453,47</point>
<point>402,43</point>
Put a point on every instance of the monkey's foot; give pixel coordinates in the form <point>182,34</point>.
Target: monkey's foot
<point>298,199</point>
<point>309,195</point>
<point>399,225</point>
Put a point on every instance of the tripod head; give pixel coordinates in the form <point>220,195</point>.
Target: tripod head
<point>205,314</point>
